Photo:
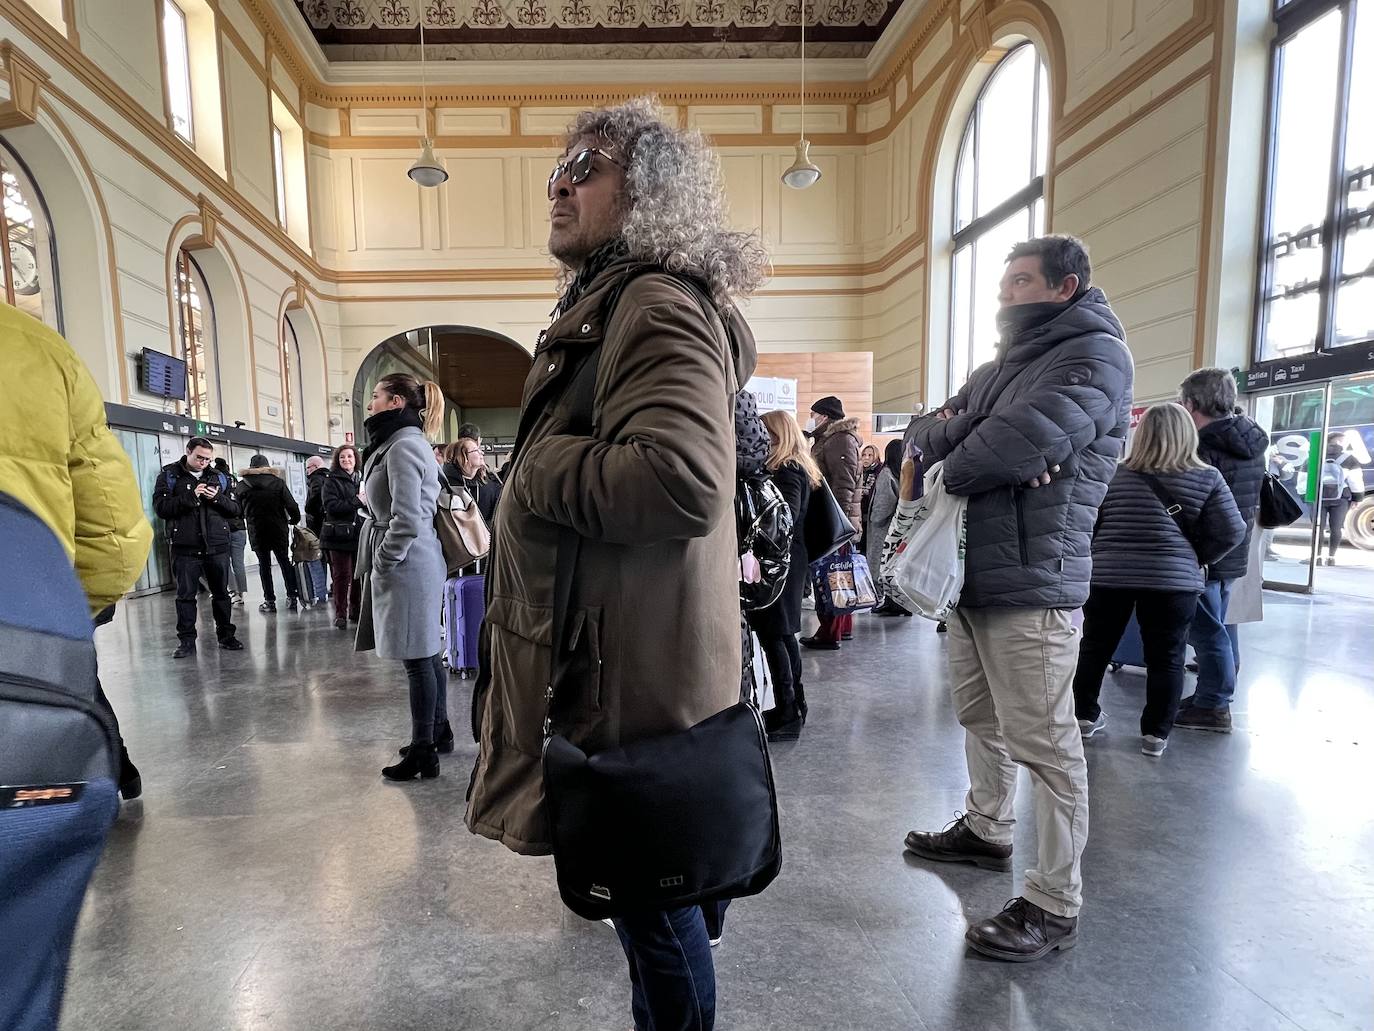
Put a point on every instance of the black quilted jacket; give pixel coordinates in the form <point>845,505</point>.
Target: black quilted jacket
<point>1236,446</point>
<point>1137,543</point>
<point>1057,394</point>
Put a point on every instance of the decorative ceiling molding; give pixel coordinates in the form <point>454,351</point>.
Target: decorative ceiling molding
<point>506,30</point>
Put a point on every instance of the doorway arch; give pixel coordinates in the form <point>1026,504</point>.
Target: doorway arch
<point>478,370</point>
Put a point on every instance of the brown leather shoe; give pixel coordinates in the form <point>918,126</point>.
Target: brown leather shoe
<point>958,844</point>
<point>1022,932</point>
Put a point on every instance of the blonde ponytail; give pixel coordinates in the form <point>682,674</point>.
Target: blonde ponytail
<point>434,410</point>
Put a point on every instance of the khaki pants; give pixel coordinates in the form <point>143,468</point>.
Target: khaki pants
<point>1012,683</point>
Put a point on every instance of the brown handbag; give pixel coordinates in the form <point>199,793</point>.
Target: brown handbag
<point>463,533</point>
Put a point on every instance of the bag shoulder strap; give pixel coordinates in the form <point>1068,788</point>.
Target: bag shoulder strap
<point>1176,512</point>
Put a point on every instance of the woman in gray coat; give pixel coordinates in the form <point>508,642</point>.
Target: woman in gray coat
<point>400,562</point>
<point>1166,516</point>
<point>882,507</point>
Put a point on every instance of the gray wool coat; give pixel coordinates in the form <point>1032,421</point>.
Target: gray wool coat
<point>400,561</point>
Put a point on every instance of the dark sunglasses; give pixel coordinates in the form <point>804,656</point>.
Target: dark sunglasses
<point>578,167</point>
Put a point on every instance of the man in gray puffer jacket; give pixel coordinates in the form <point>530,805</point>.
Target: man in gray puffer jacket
<point>1031,440</point>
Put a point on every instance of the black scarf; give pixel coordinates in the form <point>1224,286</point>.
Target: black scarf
<point>381,426</point>
<point>1016,320</point>
<point>597,262</point>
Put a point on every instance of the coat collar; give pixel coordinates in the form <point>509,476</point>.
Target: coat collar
<point>404,433</point>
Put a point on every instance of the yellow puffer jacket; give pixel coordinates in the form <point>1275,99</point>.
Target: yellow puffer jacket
<point>59,458</point>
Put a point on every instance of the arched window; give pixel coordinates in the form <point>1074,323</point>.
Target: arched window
<point>292,389</point>
<point>196,332</point>
<point>30,261</point>
<point>998,199</point>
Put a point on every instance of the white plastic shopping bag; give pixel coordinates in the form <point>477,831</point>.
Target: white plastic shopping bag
<point>923,559</point>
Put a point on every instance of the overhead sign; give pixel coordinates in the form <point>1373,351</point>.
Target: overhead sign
<point>1314,368</point>
<point>774,394</point>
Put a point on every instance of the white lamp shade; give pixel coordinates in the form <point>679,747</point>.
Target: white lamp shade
<point>802,172</point>
<point>427,171</point>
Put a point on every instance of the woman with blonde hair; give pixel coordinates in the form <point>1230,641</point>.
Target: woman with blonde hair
<point>400,562</point>
<point>1165,517</point>
<point>795,473</point>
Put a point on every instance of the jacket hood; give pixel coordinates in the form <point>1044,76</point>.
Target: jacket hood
<point>840,426</point>
<point>321,471</point>
<point>1238,435</point>
<point>1089,314</point>
<point>746,350</point>
<point>264,470</point>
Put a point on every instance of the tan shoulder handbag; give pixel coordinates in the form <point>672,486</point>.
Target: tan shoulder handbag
<point>463,533</point>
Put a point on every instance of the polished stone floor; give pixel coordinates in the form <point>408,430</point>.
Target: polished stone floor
<point>270,879</point>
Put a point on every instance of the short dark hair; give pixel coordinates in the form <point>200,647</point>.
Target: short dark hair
<point>196,442</point>
<point>1211,391</point>
<point>469,430</point>
<point>1060,256</point>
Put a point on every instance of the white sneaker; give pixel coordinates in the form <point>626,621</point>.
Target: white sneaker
<point>1153,746</point>
<point>716,941</point>
<point>1090,727</point>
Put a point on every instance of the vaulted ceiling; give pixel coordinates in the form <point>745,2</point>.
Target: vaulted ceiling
<point>524,30</point>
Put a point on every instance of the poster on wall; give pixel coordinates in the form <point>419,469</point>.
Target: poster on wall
<point>774,394</point>
<point>295,479</point>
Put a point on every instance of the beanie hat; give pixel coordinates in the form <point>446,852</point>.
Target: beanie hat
<point>831,407</point>
<point>258,462</point>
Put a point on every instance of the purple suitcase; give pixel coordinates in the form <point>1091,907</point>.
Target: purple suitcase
<point>464,607</point>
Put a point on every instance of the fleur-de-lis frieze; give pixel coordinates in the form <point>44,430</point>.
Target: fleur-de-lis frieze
<point>531,13</point>
<point>348,14</point>
<point>441,12</point>
<point>622,12</point>
<point>577,12</point>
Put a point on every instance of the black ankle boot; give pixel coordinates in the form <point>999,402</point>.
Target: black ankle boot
<point>443,740</point>
<point>130,783</point>
<point>799,694</point>
<point>420,759</point>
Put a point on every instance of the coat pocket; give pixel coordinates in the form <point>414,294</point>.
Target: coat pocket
<point>521,656</point>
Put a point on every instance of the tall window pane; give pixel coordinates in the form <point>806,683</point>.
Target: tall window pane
<point>999,189</point>
<point>28,257</point>
<point>1355,296</point>
<point>292,386</point>
<point>1304,124</point>
<point>195,325</point>
<point>178,69</point>
<point>279,164</point>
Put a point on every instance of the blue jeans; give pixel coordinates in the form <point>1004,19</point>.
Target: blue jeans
<point>672,977</point>
<point>319,579</point>
<point>238,540</point>
<point>1216,656</point>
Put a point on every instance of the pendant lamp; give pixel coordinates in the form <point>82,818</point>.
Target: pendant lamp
<point>803,172</point>
<point>426,171</point>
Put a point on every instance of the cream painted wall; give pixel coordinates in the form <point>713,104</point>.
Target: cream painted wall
<point>862,257</point>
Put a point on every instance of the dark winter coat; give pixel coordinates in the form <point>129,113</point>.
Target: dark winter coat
<point>269,507</point>
<point>1138,544</point>
<point>783,617</point>
<point>194,525</point>
<point>1235,446</point>
<point>654,623</point>
<point>314,503</point>
<point>836,450</point>
<point>1057,394</point>
<point>339,499</point>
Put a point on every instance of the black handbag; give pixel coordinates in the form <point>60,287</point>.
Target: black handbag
<point>663,822</point>
<point>825,527</point>
<point>659,823</point>
<point>1278,506</point>
<point>336,535</point>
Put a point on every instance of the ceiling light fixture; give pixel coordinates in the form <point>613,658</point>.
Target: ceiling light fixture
<point>426,171</point>
<point>802,173</point>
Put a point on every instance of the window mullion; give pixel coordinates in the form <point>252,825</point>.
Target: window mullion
<point>1333,247</point>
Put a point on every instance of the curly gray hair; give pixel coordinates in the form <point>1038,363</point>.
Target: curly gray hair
<point>675,200</point>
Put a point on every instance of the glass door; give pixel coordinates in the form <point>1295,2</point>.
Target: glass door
<point>1345,554</point>
<point>1296,423</point>
<point>145,455</point>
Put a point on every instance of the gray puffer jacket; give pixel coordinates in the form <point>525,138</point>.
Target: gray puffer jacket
<point>1057,394</point>
<point>1139,545</point>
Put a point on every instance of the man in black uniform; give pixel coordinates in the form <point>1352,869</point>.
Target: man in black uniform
<point>197,504</point>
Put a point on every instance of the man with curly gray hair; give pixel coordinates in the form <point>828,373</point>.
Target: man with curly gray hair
<point>624,462</point>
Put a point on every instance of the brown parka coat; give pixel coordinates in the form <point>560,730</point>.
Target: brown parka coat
<point>653,626</point>
<point>836,450</point>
